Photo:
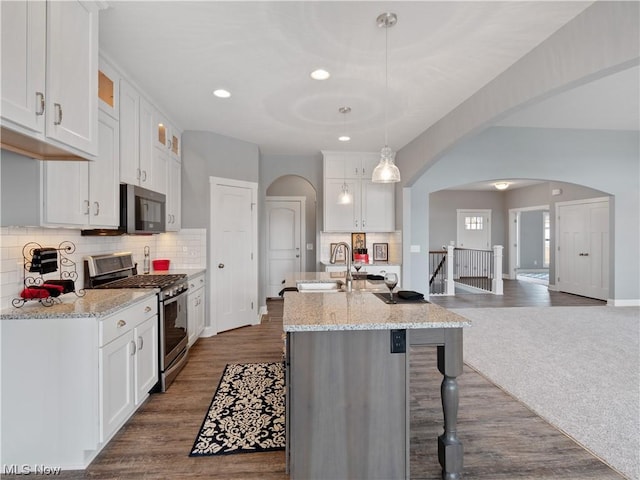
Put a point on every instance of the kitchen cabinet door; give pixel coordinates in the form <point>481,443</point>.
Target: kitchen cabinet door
<point>65,193</point>
<point>129,134</point>
<point>116,384</point>
<point>104,176</point>
<point>378,207</point>
<point>108,88</point>
<point>174,190</point>
<point>146,358</point>
<point>85,193</point>
<point>146,155</point>
<point>72,74</point>
<point>23,36</point>
<point>341,217</point>
<point>196,308</point>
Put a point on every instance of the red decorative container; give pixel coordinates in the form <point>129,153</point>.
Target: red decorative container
<point>161,264</point>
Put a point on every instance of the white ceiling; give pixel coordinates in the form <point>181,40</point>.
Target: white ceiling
<point>440,54</point>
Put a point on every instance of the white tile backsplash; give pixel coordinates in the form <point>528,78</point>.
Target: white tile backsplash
<point>185,249</point>
<point>394,239</point>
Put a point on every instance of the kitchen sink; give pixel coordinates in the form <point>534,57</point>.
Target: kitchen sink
<point>322,286</point>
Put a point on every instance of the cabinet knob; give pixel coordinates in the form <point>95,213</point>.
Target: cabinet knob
<point>140,342</point>
<point>121,323</point>
<point>147,308</point>
<point>133,348</point>
<point>88,209</point>
<point>221,265</point>
<point>97,205</point>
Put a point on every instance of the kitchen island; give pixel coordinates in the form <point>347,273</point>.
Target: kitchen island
<point>347,357</point>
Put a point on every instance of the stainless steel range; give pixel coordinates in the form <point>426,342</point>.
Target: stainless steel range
<point>117,270</point>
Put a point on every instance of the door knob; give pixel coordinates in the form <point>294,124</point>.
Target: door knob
<point>221,265</point>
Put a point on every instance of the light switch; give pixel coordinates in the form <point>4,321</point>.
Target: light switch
<point>309,246</point>
<point>415,249</point>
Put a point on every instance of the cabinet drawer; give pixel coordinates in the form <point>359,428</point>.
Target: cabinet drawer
<point>125,320</point>
<point>196,282</point>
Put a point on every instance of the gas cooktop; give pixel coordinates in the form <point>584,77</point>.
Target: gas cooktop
<point>145,281</point>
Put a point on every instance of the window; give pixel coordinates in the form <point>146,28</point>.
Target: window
<point>473,223</point>
<point>546,222</point>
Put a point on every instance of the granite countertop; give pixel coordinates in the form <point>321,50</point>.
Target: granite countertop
<point>95,303</point>
<point>358,310</point>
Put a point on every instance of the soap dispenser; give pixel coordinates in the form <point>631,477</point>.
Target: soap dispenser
<point>147,261</point>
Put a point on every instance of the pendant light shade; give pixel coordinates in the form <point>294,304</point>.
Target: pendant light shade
<point>386,171</point>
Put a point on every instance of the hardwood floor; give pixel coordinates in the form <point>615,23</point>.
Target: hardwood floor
<point>516,294</point>
<point>502,438</point>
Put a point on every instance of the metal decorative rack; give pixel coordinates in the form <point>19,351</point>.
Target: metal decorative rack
<point>67,271</point>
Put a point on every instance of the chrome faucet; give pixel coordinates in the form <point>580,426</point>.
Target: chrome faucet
<point>347,253</point>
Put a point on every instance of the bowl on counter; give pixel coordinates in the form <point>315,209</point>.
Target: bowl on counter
<point>161,264</point>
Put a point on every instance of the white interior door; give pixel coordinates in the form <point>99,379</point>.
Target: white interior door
<point>285,227</point>
<point>474,229</point>
<point>583,248</point>
<point>233,263</point>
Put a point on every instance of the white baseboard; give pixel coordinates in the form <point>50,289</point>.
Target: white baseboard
<point>208,332</point>
<point>632,302</point>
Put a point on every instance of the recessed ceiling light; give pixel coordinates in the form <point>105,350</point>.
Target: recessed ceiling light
<point>221,93</point>
<point>501,185</point>
<point>344,138</point>
<point>320,74</point>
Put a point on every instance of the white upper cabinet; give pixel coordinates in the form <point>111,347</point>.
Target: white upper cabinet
<point>373,205</point>
<point>139,163</point>
<point>24,27</point>
<point>108,88</point>
<point>85,194</point>
<point>174,192</point>
<point>167,137</point>
<point>129,134</point>
<point>50,78</point>
<point>350,164</point>
<point>72,74</point>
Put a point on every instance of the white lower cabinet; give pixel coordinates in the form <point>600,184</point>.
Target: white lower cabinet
<point>69,383</point>
<point>128,364</point>
<point>196,307</point>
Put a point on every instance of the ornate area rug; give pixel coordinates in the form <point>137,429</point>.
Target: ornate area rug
<point>247,413</point>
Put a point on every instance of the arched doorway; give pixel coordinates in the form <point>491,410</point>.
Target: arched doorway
<point>290,228</point>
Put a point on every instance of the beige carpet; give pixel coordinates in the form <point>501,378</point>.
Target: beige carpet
<point>577,367</point>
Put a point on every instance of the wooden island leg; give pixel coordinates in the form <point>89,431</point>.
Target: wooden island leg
<point>450,450</point>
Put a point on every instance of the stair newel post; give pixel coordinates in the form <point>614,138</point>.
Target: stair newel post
<point>451,288</point>
<point>496,283</point>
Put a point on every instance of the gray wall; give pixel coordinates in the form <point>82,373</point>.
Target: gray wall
<point>532,239</point>
<point>602,161</point>
<point>443,215</point>
<point>207,154</point>
<point>20,191</point>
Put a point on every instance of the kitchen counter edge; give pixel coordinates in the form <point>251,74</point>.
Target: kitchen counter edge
<point>94,304</point>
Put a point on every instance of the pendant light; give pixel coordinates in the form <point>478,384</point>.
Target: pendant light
<point>386,171</point>
<point>345,197</point>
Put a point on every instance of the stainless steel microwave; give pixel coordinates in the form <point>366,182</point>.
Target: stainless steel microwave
<point>142,212</point>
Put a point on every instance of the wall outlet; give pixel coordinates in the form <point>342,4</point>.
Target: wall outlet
<point>398,341</point>
<point>19,273</point>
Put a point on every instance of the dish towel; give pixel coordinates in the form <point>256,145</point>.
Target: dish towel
<point>44,260</point>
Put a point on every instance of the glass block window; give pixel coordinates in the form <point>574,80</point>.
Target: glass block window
<point>473,223</point>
